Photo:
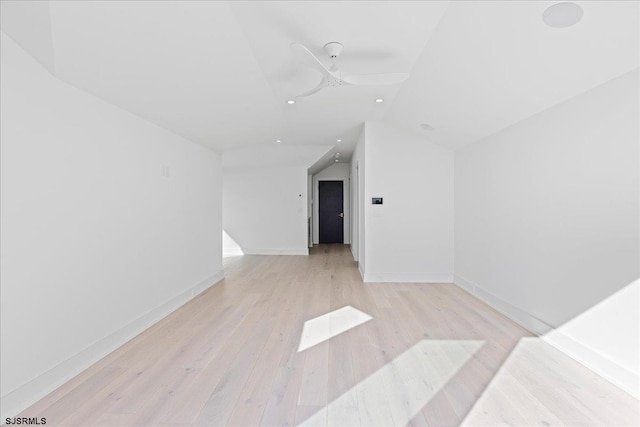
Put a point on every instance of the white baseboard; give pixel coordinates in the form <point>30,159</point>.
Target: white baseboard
<point>276,251</point>
<point>361,270</point>
<point>514,313</point>
<point>601,365</point>
<point>620,376</point>
<point>408,277</point>
<point>232,252</point>
<point>24,396</point>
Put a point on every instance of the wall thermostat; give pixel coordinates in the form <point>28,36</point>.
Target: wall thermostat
<point>376,200</point>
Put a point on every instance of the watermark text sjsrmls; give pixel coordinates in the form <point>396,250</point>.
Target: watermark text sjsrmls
<point>34,421</point>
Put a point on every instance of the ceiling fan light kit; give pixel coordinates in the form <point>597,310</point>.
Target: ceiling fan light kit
<point>333,76</point>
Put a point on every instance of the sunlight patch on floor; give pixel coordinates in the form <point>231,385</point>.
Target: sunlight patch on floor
<point>606,337</point>
<point>537,385</point>
<point>398,391</point>
<point>329,325</point>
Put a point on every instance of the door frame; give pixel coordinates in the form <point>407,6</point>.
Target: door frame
<point>331,218</point>
<point>346,228</point>
<point>355,209</point>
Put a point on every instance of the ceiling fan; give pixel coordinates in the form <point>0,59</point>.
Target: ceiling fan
<point>334,77</point>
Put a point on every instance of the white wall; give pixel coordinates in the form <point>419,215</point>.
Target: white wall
<point>410,236</point>
<point>606,338</point>
<point>309,208</point>
<point>358,237</point>
<point>96,243</point>
<point>265,209</point>
<point>547,219</point>
<point>335,172</point>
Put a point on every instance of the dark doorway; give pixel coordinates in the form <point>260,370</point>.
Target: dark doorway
<point>330,212</point>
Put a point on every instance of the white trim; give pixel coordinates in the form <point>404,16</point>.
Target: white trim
<point>24,396</point>
<point>361,270</point>
<point>597,362</point>
<point>514,313</point>
<point>408,277</point>
<point>346,204</point>
<point>462,283</point>
<point>231,252</point>
<point>276,251</point>
<point>601,365</point>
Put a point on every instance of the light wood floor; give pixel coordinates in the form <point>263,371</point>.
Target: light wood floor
<point>428,355</point>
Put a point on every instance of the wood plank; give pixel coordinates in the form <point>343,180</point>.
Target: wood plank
<point>230,357</point>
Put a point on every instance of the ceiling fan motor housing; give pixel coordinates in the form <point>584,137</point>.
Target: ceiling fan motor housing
<point>334,49</point>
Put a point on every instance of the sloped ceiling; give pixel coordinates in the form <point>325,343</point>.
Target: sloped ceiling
<point>29,24</point>
<point>220,73</point>
<point>491,64</point>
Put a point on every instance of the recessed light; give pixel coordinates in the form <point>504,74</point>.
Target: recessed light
<point>427,127</point>
<point>562,15</point>
<point>339,140</point>
<point>278,141</point>
<point>337,154</point>
<point>291,101</point>
<point>379,100</point>
<point>337,160</point>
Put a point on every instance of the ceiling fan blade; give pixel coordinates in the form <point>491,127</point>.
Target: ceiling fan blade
<point>375,79</point>
<point>304,55</point>
<point>320,86</point>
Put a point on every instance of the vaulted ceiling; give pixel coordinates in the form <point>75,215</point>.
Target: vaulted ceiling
<point>220,73</point>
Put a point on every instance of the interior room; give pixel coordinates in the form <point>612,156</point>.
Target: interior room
<point>348,213</point>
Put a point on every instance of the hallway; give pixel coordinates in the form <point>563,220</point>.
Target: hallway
<point>295,340</point>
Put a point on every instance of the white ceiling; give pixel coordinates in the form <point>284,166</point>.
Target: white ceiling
<point>491,64</point>
<point>220,73</point>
